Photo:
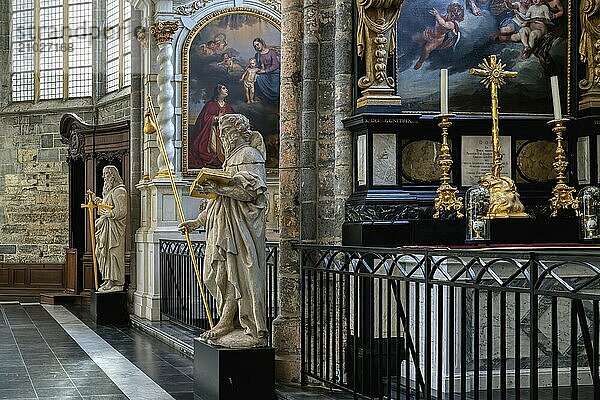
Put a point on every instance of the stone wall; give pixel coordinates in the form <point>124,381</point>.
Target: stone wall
<point>115,107</point>
<point>34,190</point>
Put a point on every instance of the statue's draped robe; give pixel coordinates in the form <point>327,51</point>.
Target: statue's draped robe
<point>110,236</point>
<point>235,241</point>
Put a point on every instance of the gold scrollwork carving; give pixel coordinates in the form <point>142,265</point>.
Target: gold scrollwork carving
<point>163,31</point>
<point>589,44</point>
<point>275,4</point>
<point>141,35</point>
<point>376,41</point>
<point>192,8</point>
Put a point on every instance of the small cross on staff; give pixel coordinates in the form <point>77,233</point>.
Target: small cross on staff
<point>90,206</point>
<point>493,73</point>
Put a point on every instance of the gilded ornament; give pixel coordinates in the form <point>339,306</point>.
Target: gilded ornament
<point>589,52</point>
<point>376,42</point>
<point>504,198</point>
<point>275,4</point>
<point>562,194</point>
<point>163,31</point>
<point>192,8</point>
<point>446,194</point>
<point>141,35</point>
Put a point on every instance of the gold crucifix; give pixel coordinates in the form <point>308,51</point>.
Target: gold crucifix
<point>504,199</point>
<point>494,75</point>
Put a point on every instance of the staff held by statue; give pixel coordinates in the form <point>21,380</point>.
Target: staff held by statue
<point>151,126</point>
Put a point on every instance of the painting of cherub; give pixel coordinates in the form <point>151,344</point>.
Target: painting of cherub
<point>233,67</point>
<point>529,36</point>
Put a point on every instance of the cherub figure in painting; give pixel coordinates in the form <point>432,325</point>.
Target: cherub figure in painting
<point>444,34</point>
<point>536,24</point>
<point>510,27</point>
<point>249,79</point>
<point>229,63</point>
<point>477,6</point>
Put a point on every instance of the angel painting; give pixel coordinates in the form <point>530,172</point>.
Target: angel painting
<point>445,33</point>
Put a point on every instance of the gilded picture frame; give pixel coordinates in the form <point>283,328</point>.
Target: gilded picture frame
<point>218,52</point>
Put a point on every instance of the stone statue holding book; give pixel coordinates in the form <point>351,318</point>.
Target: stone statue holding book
<point>235,257</point>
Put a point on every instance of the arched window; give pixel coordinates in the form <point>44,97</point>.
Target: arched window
<point>118,44</point>
<point>51,49</point>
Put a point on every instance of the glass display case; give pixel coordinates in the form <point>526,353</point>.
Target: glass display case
<point>589,207</point>
<point>477,204</point>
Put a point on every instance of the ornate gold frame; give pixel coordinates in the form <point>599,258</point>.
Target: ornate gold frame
<point>185,64</point>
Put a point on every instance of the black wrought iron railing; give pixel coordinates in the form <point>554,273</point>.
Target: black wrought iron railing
<point>425,324</point>
<point>180,299</point>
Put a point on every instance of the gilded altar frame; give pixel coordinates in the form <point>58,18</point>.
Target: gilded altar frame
<point>272,168</point>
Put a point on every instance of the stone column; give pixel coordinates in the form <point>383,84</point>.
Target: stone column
<point>286,328</point>
<point>311,108</point>
<point>343,109</point>
<point>163,32</point>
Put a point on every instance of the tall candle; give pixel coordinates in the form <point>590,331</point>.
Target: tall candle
<point>444,91</point>
<point>556,97</point>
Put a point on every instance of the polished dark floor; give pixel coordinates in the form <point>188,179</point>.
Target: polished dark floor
<point>174,372</point>
<point>39,360</point>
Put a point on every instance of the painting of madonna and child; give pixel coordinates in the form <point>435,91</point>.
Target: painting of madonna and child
<point>529,36</point>
<point>234,67</point>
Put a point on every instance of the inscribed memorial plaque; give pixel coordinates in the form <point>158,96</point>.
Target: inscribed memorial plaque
<point>583,160</point>
<point>477,157</point>
<point>384,159</point>
<point>361,160</point>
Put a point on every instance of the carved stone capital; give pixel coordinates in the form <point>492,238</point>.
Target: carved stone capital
<point>589,52</point>
<point>163,31</point>
<point>376,42</point>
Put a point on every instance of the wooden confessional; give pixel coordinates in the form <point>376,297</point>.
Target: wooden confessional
<point>91,148</point>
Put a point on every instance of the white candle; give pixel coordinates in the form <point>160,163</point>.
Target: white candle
<point>556,97</point>
<point>444,91</point>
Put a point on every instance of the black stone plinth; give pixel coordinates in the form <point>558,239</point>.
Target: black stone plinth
<point>223,374</point>
<point>109,308</point>
<point>451,232</point>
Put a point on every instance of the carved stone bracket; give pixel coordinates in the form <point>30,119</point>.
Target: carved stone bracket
<point>376,41</point>
<point>589,52</point>
<point>192,8</point>
<point>163,31</point>
<point>141,35</point>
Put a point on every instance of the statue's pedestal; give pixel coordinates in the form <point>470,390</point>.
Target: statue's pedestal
<point>109,308</point>
<point>223,374</point>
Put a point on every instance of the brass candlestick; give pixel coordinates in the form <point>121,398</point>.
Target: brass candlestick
<point>446,194</point>
<point>562,194</point>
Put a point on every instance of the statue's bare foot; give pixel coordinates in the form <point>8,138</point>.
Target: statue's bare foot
<point>218,331</point>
